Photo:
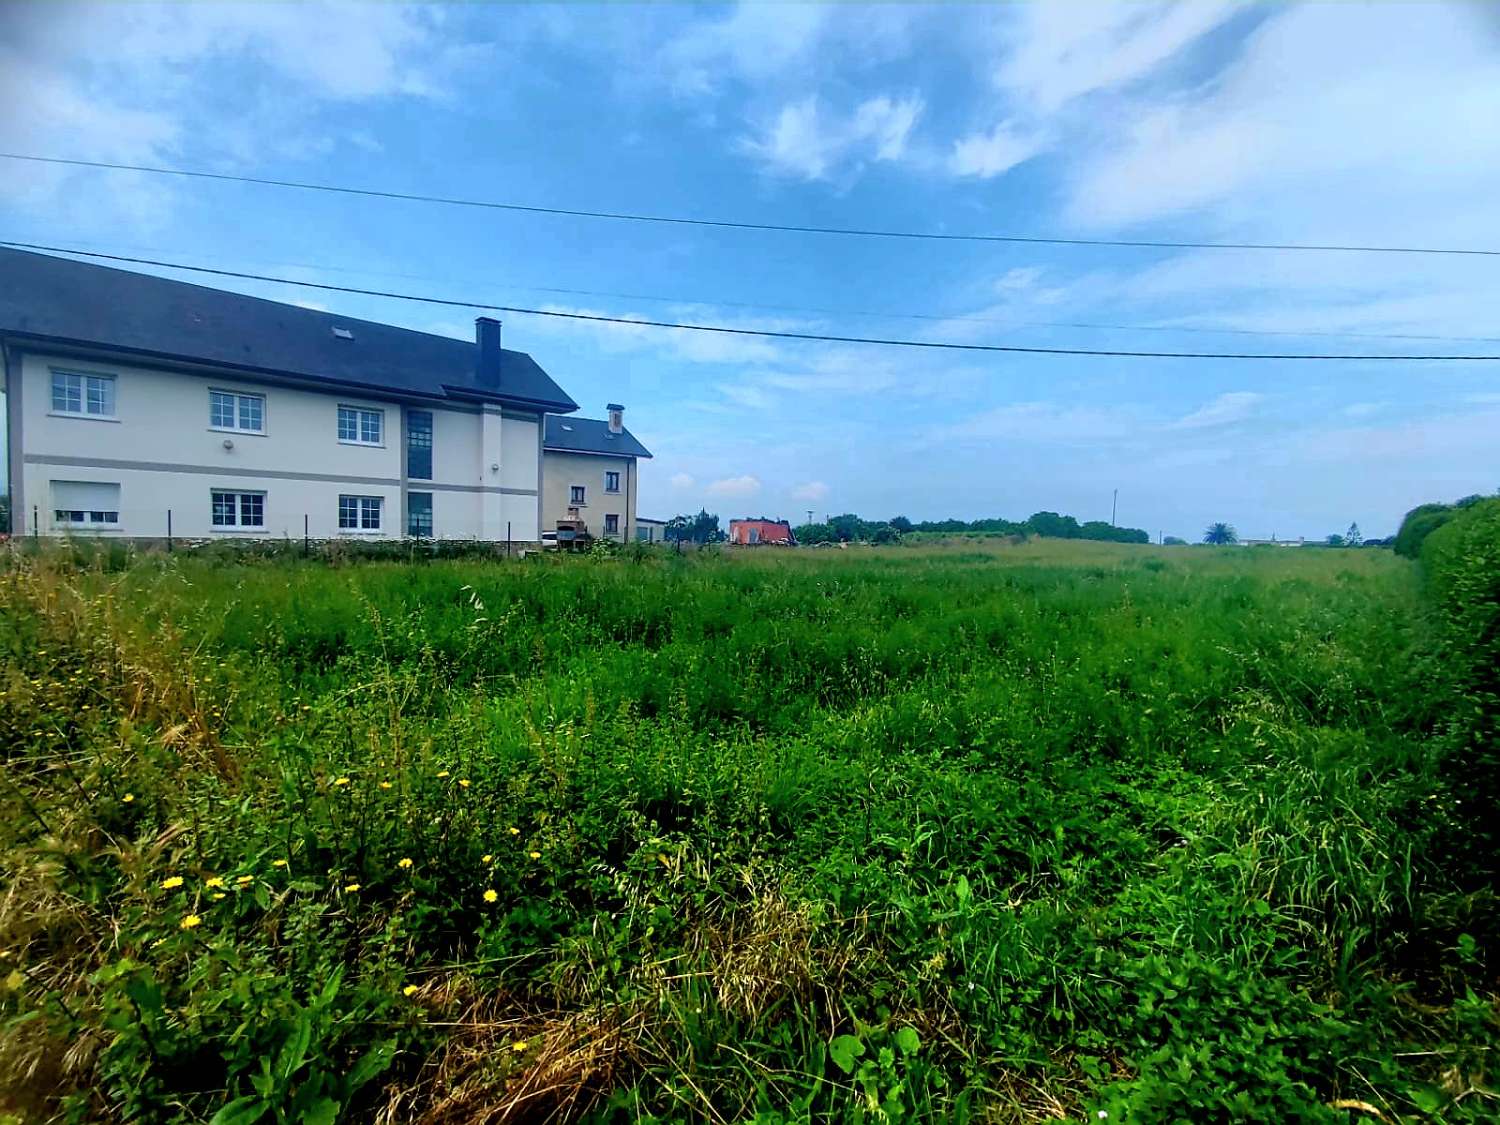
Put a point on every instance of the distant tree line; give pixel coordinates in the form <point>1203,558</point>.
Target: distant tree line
<point>850,528</point>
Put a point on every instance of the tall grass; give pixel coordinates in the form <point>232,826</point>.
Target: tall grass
<point>1008,833</point>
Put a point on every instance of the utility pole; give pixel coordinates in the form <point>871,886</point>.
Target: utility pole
<point>1114,506</point>
<point>809,515</point>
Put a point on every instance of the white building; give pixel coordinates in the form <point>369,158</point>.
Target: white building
<point>138,406</point>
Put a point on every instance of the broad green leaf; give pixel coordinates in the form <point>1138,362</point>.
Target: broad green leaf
<point>844,1050</point>
<point>908,1041</point>
<point>241,1111</point>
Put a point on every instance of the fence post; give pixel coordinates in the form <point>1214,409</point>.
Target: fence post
<point>169,531</point>
<point>507,538</point>
<point>36,524</point>
<point>306,543</point>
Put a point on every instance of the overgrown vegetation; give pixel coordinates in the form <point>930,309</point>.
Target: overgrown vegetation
<point>1003,834</point>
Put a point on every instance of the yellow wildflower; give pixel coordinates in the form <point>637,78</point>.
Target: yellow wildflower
<point>486,857</point>
<point>129,797</point>
<point>341,781</point>
<point>404,864</point>
<point>190,921</point>
<point>243,879</point>
<point>442,773</point>
<point>217,895</point>
<point>385,785</point>
<point>535,855</point>
<point>172,883</point>
<point>463,782</point>
<point>491,895</point>
<point>351,888</point>
<point>518,1045</point>
<point>514,831</point>
<point>215,881</point>
<point>409,990</point>
<point>278,863</point>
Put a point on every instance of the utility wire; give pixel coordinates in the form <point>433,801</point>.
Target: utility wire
<point>726,330</point>
<point>817,310</point>
<point>732,224</point>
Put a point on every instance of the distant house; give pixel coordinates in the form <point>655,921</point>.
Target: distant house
<point>649,530</point>
<point>1272,542</point>
<point>589,476</point>
<point>761,532</point>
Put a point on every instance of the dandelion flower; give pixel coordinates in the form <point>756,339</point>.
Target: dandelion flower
<point>190,921</point>
<point>404,864</point>
<point>351,888</point>
<point>518,1045</point>
<point>278,863</point>
<point>341,781</point>
<point>486,857</point>
<point>463,782</point>
<point>514,831</point>
<point>535,855</point>
<point>218,895</point>
<point>212,882</point>
<point>385,785</point>
<point>442,773</point>
<point>128,798</point>
<point>409,990</point>
<point>243,879</point>
<point>491,895</point>
<point>171,884</point>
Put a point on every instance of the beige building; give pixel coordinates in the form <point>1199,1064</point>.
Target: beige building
<point>589,474</point>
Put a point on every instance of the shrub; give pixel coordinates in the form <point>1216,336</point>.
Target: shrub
<point>1462,561</point>
<point>1417,525</point>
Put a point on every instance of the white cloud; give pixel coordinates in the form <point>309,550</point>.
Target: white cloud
<point>735,488</point>
<point>986,155</point>
<point>1362,409</point>
<point>806,141</point>
<point>1059,52</point>
<point>681,480</point>
<point>1232,406</point>
<point>1046,423</point>
<point>812,491</point>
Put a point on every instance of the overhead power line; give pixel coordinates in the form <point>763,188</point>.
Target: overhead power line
<point>734,224</point>
<point>822,310</point>
<point>727,330</point>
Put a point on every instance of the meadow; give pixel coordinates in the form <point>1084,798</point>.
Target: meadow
<point>1000,833</point>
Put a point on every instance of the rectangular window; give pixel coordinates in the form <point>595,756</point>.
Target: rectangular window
<point>92,396</point>
<point>243,413</point>
<point>359,513</point>
<point>611,482</point>
<point>419,444</point>
<point>575,494</point>
<point>237,509</point>
<point>611,524</point>
<point>358,426</point>
<point>419,515</point>
<point>79,503</point>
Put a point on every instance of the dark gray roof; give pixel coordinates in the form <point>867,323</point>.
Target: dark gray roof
<point>590,435</point>
<point>58,299</point>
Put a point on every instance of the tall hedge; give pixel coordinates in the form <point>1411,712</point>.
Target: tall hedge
<point>1462,562</point>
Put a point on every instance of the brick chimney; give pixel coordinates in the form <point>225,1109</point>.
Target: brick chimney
<point>487,363</point>
<point>616,417</point>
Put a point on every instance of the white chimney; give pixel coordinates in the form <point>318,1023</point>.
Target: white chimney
<point>616,417</point>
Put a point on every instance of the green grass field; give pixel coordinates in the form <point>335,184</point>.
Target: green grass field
<point>988,833</point>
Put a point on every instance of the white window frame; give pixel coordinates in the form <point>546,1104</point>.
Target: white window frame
<point>239,495</point>
<point>362,507</point>
<point>611,473</point>
<point>238,397</point>
<point>360,414</point>
<point>83,411</point>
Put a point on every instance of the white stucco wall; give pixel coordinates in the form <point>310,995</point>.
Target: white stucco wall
<point>561,471</point>
<point>161,451</point>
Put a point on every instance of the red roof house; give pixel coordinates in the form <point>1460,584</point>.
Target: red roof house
<point>753,533</point>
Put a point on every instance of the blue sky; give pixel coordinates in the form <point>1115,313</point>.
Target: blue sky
<point>1335,123</point>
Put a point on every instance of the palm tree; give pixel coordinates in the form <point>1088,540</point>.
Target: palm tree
<point>1220,535</point>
